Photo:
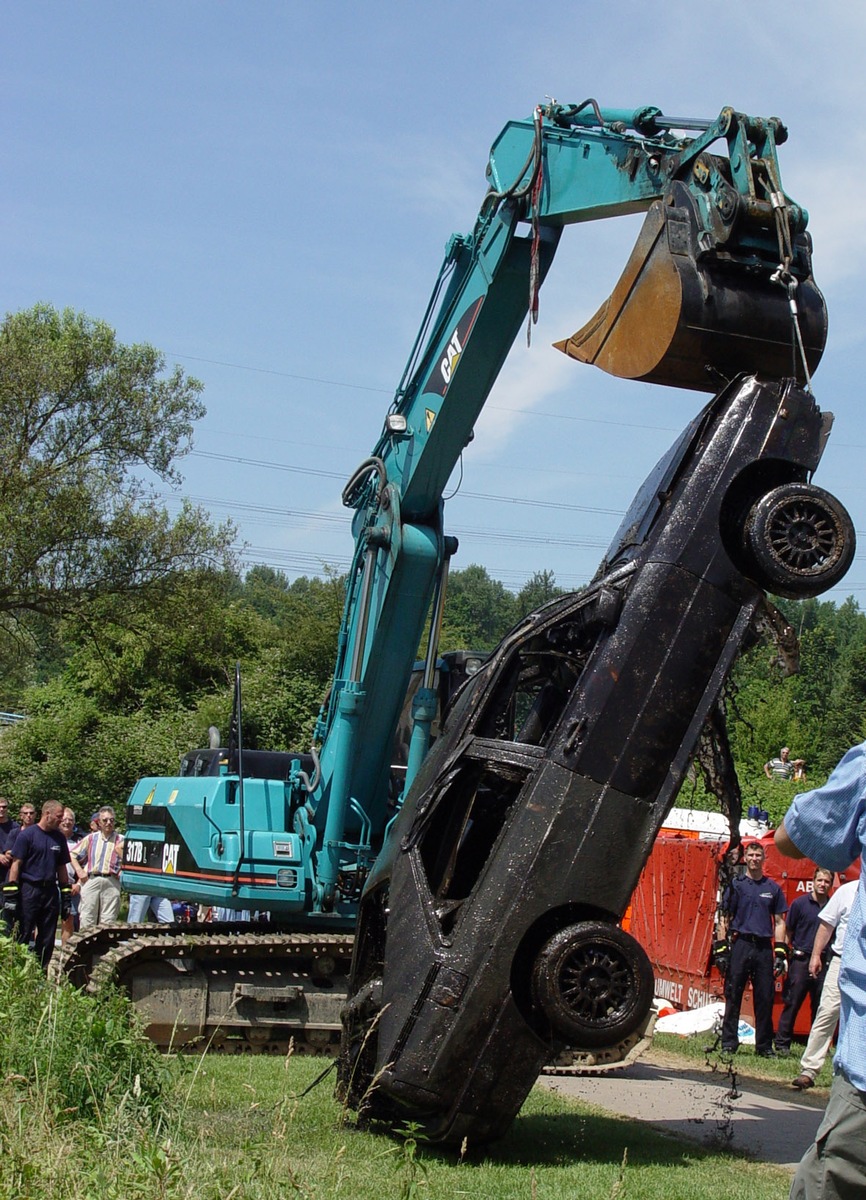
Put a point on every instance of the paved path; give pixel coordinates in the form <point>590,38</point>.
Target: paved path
<point>768,1121</point>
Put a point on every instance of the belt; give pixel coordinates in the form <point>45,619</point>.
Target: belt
<point>754,938</point>
<point>43,883</point>
<point>800,953</point>
<point>103,875</point>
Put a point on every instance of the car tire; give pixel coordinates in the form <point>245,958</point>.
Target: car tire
<point>593,983</point>
<point>799,539</point>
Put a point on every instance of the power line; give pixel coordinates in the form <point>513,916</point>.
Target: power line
<point>291,562</point>
<point>361,387</point>
<point>272,466</point>
<point>341,522</point>
<point>339,383</point>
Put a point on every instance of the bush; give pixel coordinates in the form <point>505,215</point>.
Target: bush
<point>75,1056</point>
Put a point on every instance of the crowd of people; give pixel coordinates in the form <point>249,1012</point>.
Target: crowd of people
<point>818,945</point>
<point>759,939</point>
<point>51,870</point>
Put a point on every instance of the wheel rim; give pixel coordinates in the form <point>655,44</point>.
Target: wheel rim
<point>804,536</point>
<point>596,983</point>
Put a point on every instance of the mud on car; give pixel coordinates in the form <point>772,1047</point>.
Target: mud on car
<point>489,935</point>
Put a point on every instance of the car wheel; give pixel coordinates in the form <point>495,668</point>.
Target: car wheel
<point>800,540</point>
<point>593,983</point>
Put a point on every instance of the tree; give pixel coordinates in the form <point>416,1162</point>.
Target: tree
<point>538,589</point>
<point>478,610</point>
<point>84,422</point>
<point>132,703</point>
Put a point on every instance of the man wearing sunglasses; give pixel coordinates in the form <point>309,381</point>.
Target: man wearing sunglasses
<point>97,863</point>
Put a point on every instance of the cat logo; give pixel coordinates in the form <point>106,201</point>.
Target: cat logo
<point>429,417</point>
<point>149,797</point>
<point>452,356</point>
<point>169,859</point>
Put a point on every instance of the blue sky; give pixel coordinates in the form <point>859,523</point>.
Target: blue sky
<point>264,191</point>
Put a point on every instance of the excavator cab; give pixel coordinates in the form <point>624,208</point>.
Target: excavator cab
<point>719,282</point>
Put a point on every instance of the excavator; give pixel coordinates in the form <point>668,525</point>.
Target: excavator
<point>580,725</point>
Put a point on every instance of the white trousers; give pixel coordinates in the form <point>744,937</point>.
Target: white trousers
<point>100,901</point>
<point>824,1025</point>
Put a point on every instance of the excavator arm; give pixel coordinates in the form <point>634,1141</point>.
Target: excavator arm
<point>720,282</point>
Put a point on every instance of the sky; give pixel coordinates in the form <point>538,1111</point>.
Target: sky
<point>264,191</point>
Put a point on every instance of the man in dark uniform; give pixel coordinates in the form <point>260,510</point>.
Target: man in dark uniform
<point>753,916</point>
<point>8,831</point>
<point>37,888</point>
<point>802,925</point>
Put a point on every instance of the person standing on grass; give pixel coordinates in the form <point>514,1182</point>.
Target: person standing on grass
<point>752,915</point>
<point>802,926</point>
<point>67,828</point>
<point>37,889</point>
<point>8,832</point>
<point>140,906</point>
<point>98,860</point>
<point>828,825</point>
<point>834,920</point>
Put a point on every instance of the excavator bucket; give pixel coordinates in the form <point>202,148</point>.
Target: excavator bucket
<point>689,315</point>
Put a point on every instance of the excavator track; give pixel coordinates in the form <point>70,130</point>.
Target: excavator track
<point>235,991</point>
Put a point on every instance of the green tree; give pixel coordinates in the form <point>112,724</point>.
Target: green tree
<point>84,423</point>
<point>132,702</point>
<point>537,590</point>
<point>479,610</point>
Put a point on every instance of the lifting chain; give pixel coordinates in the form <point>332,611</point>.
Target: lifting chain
<point>783,274</point>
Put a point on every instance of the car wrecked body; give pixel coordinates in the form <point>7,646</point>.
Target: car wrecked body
<point>488,937</point>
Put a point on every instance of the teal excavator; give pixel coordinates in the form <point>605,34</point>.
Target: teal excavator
<point>719,283</point>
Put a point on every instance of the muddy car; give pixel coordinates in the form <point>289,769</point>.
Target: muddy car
<point>489,933</point>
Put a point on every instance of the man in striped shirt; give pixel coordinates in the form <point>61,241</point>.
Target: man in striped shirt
<point>97,863</point>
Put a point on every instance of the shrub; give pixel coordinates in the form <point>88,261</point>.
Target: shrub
<point>73,1056</point>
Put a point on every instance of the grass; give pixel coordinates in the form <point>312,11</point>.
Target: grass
<point>77,1056</point>
<point>699,1049</point>
<point>87,1109</point>
<point>556,1149</point>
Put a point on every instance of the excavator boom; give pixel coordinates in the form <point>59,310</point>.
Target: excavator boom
<point>719,283</point>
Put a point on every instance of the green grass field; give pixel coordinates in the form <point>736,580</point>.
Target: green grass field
<point>247,1131</point>
<point>698,1049</point>
<point>90,1111</point>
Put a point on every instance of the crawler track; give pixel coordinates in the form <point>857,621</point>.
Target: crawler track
<point>230,990</point>
<point>234,991</point>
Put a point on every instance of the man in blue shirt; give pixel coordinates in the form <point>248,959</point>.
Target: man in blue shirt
<point>752,916</point>
<point>802,923</point>
<point>37,880</point>
<point>8,832</point>
<point>828,825</point>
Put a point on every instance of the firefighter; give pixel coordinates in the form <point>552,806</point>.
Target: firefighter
<point>752,916</point>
